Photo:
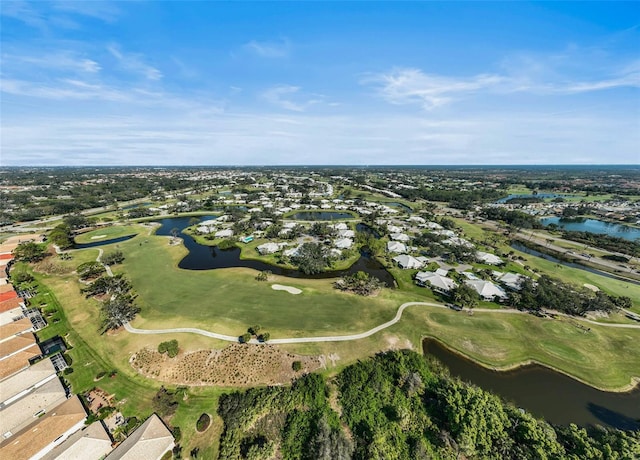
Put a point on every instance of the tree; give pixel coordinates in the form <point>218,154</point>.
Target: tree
<point>90,270</point>
<point>465,295</point>
<point>193,221</point>
<point>76,221</point>
<point>113,258</point>
<point>175,231</point>
<point>61,236</point>
<point>264,337</point>
<point>264,275</point>
<point>29,252</point>
<point>245,338</point>
<point>118,311</point>
<point>296,366</point>
<point>254,330</point>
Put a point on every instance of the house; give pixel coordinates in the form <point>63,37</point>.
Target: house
<point>150,441</point>
<point>447,233</point>
<point>15,328</point>
<point>346,234</point>
<point>489,259</point>
<point>407,262</point>
<point>29,404</point>
<point>512,280</point>
<point>435,281</point>
<point>343,243</point>
<point>45,433</point>
<point>487,290</point>
<point>416,219</point>
<point>457,241</point>
<point>226,233</point>
<point>292,252</point>
<point>268,248</point>
<point>340,226</point>
<point>91,443</point>
<point>442,272</point>
<point>400,237</point>
<point>396,246</point>
<point>394,229</point>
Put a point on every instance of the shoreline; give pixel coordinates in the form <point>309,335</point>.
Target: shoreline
<point>633,385</point>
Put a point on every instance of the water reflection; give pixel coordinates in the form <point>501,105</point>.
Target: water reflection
<point>546,393</point>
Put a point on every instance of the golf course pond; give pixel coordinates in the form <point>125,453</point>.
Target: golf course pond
<point>545,393</point>
<point>201,257</point>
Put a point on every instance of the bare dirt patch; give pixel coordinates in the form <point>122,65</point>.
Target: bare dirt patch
<point>289,289</point>
<point>235,365</point>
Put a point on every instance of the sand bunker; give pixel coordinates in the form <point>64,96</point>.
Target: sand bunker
<point>592,287</point>
<point>97,237</point>
<point>289,289</point>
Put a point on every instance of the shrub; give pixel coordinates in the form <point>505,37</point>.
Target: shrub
<point>170,348</point>
<point>203,422</point>
<point>296,366</point>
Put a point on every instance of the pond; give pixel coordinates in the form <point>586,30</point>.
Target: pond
<point>530,195</point>
<point>594,226</point>
<point>102,242</point>
<point>321,215</point>
<point>402,206</point>
<point>201,257</point>
<point>533,252</point>
<point>546,393</point>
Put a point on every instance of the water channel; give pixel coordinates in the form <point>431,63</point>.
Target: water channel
<point>201,257</point>
<point>533,252</point>
<point>594,226</point>
<point>545,393</point>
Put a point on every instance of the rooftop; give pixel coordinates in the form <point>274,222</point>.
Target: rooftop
<point>150,441</point>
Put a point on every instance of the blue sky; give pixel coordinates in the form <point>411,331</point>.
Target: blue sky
<point>235,83</point>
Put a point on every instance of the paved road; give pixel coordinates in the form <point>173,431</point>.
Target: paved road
<point>362,335</point>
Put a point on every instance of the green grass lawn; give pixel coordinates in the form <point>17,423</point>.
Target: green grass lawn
<point>114,231</point>
<point>229,300</point>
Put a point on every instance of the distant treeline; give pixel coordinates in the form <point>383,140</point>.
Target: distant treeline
<point>399,405</point>
<point>517,219</point>
<point>460,199</point>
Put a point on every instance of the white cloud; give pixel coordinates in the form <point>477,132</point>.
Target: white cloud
<point>413,86</point>
<point>60,60</point>
<point>280,49</point>
<point>134,63</point>
<point>403,86</point>
<point>280,96</point>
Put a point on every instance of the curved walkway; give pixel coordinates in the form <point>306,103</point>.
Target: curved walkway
<point>343,338</point>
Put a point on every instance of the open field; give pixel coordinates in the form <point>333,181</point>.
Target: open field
<point>114,231</point>
<point>230,300</point>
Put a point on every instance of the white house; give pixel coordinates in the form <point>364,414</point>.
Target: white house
<point>407,262</point>
<point>346,234</point>
<point>400,237</point>
<point>343,243</point>
<point>226,233</point>
<point>394,229</point>
<point>339,226</point>
<point>268,248</point>
<point>457,241</point>
<point>437,282</point>
<point>396,246</point>
<point>489,259</point>
<point>512,280</point>
<point>487,290</point>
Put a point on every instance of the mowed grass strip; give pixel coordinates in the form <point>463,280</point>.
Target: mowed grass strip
<point>230,300</point>
<point>114,231</point>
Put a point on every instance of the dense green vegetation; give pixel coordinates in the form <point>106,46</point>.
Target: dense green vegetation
<point>517,219</point>
<point>549,293</point>
<point>398,405</point>
<point>169,347</point>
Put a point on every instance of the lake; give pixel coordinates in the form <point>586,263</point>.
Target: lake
<point>545,393</point>
<point>321,215</point>
<point>594,226</point>
<point>530,195</point>
<point>201,257</point>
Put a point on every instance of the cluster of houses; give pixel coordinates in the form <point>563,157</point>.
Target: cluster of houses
<point>39,418</point>
<point>439,280</point>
